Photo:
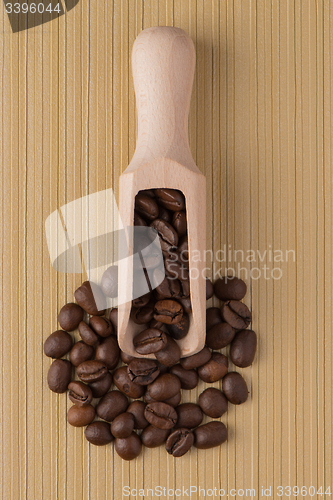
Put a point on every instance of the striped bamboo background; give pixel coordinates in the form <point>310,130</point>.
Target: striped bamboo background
<point>261,130</point>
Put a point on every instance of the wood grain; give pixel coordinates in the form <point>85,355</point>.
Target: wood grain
<point>261,131</point>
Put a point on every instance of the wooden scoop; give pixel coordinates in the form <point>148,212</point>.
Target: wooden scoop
<point>163,62</point>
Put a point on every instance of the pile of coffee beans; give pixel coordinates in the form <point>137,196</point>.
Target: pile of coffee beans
<point>137,401</point>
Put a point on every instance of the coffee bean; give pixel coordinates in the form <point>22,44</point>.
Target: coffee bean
<point>179,442</point>
<point>235,388</point>
<point>209,289</point>
<point>137,409</point>
<point>171,199</point>
<point>122,380</point>
<point>126,358</point>
<point>87,334</point>
<point>213,317</point>
<point>91,371</point>
<point>236,313</point>
<point>102,386</point>
<point>108,352</point>
<point>230,288</point>
<point>142,315</point>
<point>161,415</point>
<point>167,234</point>
<point>138,220</point>
<point>243,348</point>
<point>213,402</point>
<point>189,415</point>
<point>220,335</point>
<point>123,425</point>
<point>188,378</point>
<point>164,387</point>
<point>111,405</point>
<point>214,369</point>
<point>70,316</point>
<point>168,311</point>
<point>196,360</point>
<point>79,393</point>
<point>164,214</point>
<point>98,433</point>
<point>179,223</point>
<point>58,344</point>
<point>91,298</point>
<point>80,352</point>
<point>146,206</point>
<point>79,416</point>
<point>141,301</point>
<point>186,303</point>
<point>113,317</point>
<point>101,326</point>
<point>183,251</point>
<point>143,371</point>
<point>174,401</point>
<point>170,354</point>
<point>128,448</point>
<point>167,288</point>
<point>210,435</point>
<point>174,269</point>
<point>59,375</point>
<point>109,282</point>
<point>152,436</point>
<point>179,330</point>
<point>150,341</point>
<point>149,250</point>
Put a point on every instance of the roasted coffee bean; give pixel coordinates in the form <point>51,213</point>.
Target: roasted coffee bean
<point>168,311</point>
<point>189,415</point>
<point>141,301</point>
<point>79,393</point>
<point>167,234</point>
<point>213,317</point>
<point>179,223</point>
<point>213,402</point>
<point>70,316</point>
<point>137,409</point>
<point>210,435</point>
<point>138,220</point>
<point>126,358</point>
<point>108,352</point>
<point>179,442</point>
<point>167,288</point>
<point>123,425</point>
<point>161,415</point>
<point>87,334</point>
<point>109,282</point>
<point>214,369</point>
<point>79,416</point>
<point>113,317</point>
<point>170,354</point>
<point>101,326</point>
<point>184,289</point>
<point>150,341</point>
<point>186,303</point>
<point>174,401</point>
<point>80,352</point>
<point>91,298</point>
<point>183,251</point>
<point>236,313</point>
<point>243,348</point>
<point>188,378</point>
<point>179,330</point>
<point>149,249</point>
<point>164,214</point>
<point>146,206</point>
<point>58,344</point>
<point>230,288</point>
<point>220,335</point>
<point>196,360</point>
<point>171,199</point>
<point>174,269</point>
<point>235,388</point>
<point>152,436</point>
<point>164,387</point>
<point>209,289</point>
<point>128,448</point>
<point>142,315</point>
<point>111,405</point>
<point>91,371</point>
<point>122,380</point>
<point>98,433</point>
<point>143,371</point>
<point>59,375</point>
<point>102,386</point>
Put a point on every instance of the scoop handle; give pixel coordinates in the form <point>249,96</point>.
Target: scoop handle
<point>163,62</point>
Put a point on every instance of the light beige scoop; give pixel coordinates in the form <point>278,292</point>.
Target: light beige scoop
<point>163,62</point>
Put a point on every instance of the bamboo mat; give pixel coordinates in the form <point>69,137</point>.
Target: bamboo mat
<point>261,131</point>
